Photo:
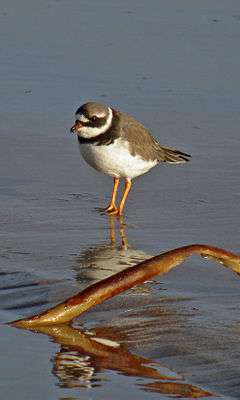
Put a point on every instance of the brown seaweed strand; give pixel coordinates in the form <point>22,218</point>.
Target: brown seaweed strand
<point>132,276</point>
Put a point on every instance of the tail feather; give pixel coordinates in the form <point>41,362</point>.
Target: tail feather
<point>175,156</point>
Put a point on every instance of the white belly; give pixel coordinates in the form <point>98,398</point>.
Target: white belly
<point>115,160</point>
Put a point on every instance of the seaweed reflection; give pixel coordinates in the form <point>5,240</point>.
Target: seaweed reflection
<point>83,354</point>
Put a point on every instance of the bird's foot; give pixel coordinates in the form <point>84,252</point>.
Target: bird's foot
<point>113,212</point>
<point>111,209</point>
<point>116,211</point>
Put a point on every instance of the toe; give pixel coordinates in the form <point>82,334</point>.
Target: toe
<point>113,211</point>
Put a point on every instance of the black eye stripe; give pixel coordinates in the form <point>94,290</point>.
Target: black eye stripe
<point>97,123</point>
<point>94,120</point>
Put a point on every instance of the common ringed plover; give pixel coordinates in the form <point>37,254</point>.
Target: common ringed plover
<point>118,145</point>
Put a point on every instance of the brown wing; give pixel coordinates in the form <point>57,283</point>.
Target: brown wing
<point>145,145</point>
<point>140,139</point>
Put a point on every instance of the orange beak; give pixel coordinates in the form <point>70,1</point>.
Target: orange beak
<point>76,127</point>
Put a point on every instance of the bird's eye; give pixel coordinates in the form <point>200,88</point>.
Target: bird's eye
<point>94,118</point>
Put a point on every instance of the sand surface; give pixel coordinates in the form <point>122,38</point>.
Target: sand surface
<point>175,66</point>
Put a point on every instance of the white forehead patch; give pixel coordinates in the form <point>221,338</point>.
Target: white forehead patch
<point>81,118</point>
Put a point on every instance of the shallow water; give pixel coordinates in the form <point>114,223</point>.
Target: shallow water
<point>175,66</point>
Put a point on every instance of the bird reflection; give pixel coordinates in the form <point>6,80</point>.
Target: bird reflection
<point>83,354</point>
<point>99,262</point>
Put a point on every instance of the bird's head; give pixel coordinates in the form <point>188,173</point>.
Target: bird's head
<point>92,119</point>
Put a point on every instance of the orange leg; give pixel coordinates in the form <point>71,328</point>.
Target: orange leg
<point>128,185</point>
<point>112,207</point>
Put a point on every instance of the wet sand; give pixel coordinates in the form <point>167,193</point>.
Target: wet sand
<point>176,68</point>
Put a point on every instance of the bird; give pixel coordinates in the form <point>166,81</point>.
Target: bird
<point>118,145</point>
